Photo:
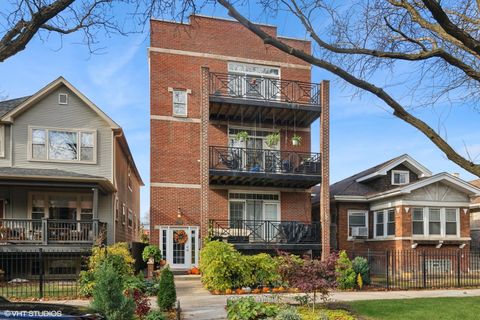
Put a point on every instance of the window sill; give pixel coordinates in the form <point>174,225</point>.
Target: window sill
<point>180,115</point>
<point>63,161</point>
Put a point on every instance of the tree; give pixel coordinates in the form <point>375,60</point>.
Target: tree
<point>362,40</point>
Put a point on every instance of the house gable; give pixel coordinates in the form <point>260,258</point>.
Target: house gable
<point>439,192</point>
<point>384,182</point>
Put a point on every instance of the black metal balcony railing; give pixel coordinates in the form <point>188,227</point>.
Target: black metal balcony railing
<point>265,231</point>
<point>265,161</point>
<point>44,231</point>
<point>264,88</point>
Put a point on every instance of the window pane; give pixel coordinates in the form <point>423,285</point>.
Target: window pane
<point>379,229</point>
<point>179,109</point>
<point>451,228</point>
<point>434,228</point>
<point>39,151</point>
<point>434,214</point>
<point>38,136</point>
<point>391,229</point>
<point>418,228</point>
<point>63,207</point>
<point>379,217</point>
<point>88,139</point>
<point>391,215</point>
<point>87,154</point>
<point>62,145</point>
<point>451,215</point>
<point>417,214</point>
<point>357,221</point>
<point>179,96</point>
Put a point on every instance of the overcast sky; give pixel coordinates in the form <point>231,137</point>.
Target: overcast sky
<point>363,132</point>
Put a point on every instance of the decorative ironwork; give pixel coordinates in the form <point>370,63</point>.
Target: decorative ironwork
<point>264,88</point>
<point>265,231</point>
<point>262,160</point>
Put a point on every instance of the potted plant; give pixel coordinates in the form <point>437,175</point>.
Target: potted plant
<point>296,140</point>
<point>151,253</point>
<point>272,139</point>
<point>241,136</point>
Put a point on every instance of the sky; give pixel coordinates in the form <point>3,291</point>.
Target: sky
<point>363,132</point>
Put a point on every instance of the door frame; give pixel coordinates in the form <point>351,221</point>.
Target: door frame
<point>167,248</point>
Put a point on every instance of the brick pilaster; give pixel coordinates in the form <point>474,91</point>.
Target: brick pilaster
<point>204,156</point>
<point>325,156</point>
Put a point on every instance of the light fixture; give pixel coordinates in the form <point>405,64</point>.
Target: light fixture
<point>439,245</point>
<point>462,246</point>
<point>179,213</point>
<point>414,245</point>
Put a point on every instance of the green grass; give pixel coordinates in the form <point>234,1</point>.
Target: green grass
<point>467,308</point>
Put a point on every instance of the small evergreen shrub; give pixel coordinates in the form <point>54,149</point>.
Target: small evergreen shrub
<point>246,308</point>
<point>346,276</point>
<point>360,266</point>
<point>155,315</point>
<point>167,295</point>
<point>108,297</point>
<point>288,314</point>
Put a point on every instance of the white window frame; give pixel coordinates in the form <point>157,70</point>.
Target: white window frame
<point>385,224</point>
<point>264,202</point>
<point>349,213</point>
<point>426,221</point>
<point>79,138</point>
<point>66,98</point>
<point>2,141</point>
<point>407,180</point>
<point>186,92</point>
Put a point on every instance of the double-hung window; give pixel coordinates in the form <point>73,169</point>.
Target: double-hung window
<point>385,223</point>
<point>435,222</point>
<point>179,103</point>
<point>63,145</point>
<point>357,219</point>
<point>400,177</point>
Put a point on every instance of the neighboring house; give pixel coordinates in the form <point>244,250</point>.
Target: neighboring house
<point>67,177</point>
<point>218,94</point>
<point>400,205</point>
<point>475,218</point>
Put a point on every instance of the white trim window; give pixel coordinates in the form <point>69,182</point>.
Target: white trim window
<point>62,98</point>
<point>385,223</point>
<point>436,222</point>
<point>357,218</point>
<point>400,177</point>
<point>63,145</point>
<point>180,105</point>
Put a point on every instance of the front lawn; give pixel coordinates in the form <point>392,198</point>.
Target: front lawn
<point>467,308</point>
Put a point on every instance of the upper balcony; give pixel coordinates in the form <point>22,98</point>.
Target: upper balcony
<point>261,167</point>
<point>250,98</point>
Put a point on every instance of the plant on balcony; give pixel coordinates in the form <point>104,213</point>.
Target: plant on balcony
<point>153,252</point>
<point>296,140</point>
<point>272,139</point>
<point>241,136</point>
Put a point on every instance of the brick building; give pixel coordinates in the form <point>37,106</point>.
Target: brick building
<point>224,110</point>
<point>400,205</point>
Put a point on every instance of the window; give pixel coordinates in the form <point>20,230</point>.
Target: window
<point>400,177</point>
<point>436,222</point>
<point>130,218</point>
<point>62,98</point>
<point>61,206</point>
<point>62,145</point>
<point>129,179</point>
<point>38,207</point>
<point>117,209</point>
<point>237,213</point>
<point>124,214</point>
<point>385,223</point>
<point>417,219</point>
<point>86,207</point>
<point>179,103</point>
<point>253,81</point>
<point>356,219</point>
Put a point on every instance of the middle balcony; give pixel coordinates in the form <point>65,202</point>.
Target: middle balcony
<point>261,167</point>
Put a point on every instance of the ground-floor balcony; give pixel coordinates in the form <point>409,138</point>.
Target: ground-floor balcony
<point>262,167</point>
<point>258,234</point>
<point>51,231</point>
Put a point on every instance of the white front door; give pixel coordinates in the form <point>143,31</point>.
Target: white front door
<point>180,246</point>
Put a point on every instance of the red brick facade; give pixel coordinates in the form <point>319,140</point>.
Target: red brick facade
<point>180,58</point>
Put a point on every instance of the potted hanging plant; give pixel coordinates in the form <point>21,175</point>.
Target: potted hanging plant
<point>296,140</point>
<point>152,253</point>
<point>241,136</point>
<point>272,139</point>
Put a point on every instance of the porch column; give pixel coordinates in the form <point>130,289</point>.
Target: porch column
<point>204,153</point>
<point>95,214</point>
<point>325,168</point>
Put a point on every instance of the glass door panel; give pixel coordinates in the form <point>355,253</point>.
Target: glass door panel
<point>254,217</point>
<point>272,224</point>
<point>255,160</point>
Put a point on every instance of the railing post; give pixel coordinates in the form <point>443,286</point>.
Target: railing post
<point>387,267</point>
<point>45,231</point>
<point>41,271</point>
<point>424,269</point>
<point>95,230</point>
<point>458,268</point>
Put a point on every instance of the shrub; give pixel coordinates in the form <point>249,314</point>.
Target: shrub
<point>135,283</point>
<point>324,314</point>
<point>142,304</point>
<point>246,308</point>
<point>155,315</point>
<point>151,251</point>
<point>288,314</point>
<point>264,270</point>
<point>151,286</point>
<point>108,297</point>
<point>346,276</point>
<point>223,267</point>
<point>360,266</point>
<point>167,295</point>
<point>120,257</point>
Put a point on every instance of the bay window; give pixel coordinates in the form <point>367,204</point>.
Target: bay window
<point>63,145</point>
<point>436,222</point>
<point>385,223</point>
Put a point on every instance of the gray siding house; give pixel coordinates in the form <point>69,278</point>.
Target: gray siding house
<point>59,181</point>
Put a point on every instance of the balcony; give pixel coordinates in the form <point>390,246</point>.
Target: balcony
<point>260,167</point>
<point>48,231</point>
<point>263,234</point>
<point>240,97</point>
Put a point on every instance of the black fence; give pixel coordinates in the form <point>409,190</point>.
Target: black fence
<point>41,274</point>
<point>423,269</point>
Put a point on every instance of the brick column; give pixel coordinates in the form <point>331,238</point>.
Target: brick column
<point>325,158</point>
<point>204,154</point>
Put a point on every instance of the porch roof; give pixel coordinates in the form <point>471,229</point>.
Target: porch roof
<point>11,176</point>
